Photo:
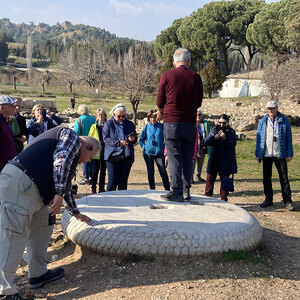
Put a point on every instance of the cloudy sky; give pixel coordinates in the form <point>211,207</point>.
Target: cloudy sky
<point>142,20</point>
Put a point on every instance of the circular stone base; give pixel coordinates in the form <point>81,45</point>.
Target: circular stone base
<point>141,222</point>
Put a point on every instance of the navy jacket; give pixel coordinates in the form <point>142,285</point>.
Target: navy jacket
<point>222,153</point>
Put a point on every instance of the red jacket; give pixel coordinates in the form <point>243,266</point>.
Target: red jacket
<point>180,93</point>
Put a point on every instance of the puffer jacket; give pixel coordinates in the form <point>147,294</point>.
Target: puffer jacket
<point>284,137</point>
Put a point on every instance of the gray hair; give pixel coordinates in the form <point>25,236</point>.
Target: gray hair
<point>181,54</point>
<point>102,111</point>
<point>118,107</point>
<point>82,109</point>
<point>91,142</point>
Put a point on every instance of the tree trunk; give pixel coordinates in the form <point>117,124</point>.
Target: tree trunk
<point>43,87</point>
<point>71,86</point>
<point>15,82</point>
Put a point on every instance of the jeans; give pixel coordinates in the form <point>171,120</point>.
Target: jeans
<point>199,160</point>
<point>98,164</point>
<point>118,174</point>
<point>180,142</point>
<point>209,186</point>
<point>160,163</point>
<point>87,169</point>
<point>281,166</point>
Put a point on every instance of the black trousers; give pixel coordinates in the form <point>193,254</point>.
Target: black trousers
<point>281,166</point>
<point>99,164</point>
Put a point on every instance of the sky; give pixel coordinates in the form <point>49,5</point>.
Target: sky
<point>141,20</point>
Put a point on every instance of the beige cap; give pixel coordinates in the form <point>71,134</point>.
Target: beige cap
<point>271,104</point>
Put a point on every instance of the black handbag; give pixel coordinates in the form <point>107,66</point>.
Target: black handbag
<point>227,183</point>
<point>117,156</point>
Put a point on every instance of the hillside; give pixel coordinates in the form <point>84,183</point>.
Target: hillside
<point>65,32</point>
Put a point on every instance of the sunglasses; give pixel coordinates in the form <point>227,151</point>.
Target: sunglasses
<point>121,116</point>
<point>222,122</point>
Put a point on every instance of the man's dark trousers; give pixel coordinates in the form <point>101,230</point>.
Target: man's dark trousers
<point>180,142</point>
<point>281,167</point>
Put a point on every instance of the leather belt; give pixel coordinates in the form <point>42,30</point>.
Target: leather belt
<point>17,164</point>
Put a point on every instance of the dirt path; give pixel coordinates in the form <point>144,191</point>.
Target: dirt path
<point>270,272</point>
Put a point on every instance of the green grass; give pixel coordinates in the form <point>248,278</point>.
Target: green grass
<point>233,255</point>
<point>133,258</point>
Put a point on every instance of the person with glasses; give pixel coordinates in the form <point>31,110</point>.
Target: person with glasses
<point>222,159</point>
<point>152,143</point>
<point>98,163</point>
<point>203,129</point>
<point>119,136</point>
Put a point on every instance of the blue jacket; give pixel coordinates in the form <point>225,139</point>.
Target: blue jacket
<point>284,137</point>
<point>111,136</point>
<point>222,153</point>
<point>147,138</point>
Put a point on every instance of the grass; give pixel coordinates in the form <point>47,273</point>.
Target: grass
<point>133,258</point>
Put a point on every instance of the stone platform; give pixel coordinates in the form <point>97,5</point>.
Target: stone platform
<point>140,222</point>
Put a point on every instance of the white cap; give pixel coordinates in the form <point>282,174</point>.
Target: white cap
<point>4,99</point>
<point>271,104</point>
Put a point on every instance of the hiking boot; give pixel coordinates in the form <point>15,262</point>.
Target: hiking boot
<point>289,206</point>
<point>173,197</point>
<point>16,296</point>
<point>94,190</point>
<point>266,203</point>
<point>101,190</point>
<point>49,276</point>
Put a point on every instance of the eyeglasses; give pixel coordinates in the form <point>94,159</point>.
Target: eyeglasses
<point>121,116</point>
<point>199,115</point>
<point>222,122</point>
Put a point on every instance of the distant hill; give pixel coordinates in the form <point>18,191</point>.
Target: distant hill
<point>64,32</point>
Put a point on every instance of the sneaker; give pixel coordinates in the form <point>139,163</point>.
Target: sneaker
<point>289,206</point>
<point>49,276</point>
<point>173,197</point>
<point>266,203</point>
<point>201,180</point>
<point>16,296</point>
<point>82,181</point>
<point>187,195</point>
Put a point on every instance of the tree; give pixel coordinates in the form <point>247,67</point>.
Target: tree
<point>206,32</point>
<point>213,78</point>
<point>244,14</point>
<point>134,74</point>
<point>293,32</point>
<point>268,32</point>
<point>3,47</point>
<point>45,79</point>
<point>167,41</point>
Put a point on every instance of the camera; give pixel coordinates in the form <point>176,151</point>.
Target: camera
<point>51,220</point>
<point>221,128</point>
<point>153,143</point>
<point>44,114</point>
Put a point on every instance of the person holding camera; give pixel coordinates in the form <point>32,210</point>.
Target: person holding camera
<point>32,188</point>
<point>42,120</point>
<point>119,136</point>
<point>222,159</point>
<point>152,143</point>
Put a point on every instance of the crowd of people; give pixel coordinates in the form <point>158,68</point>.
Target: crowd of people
<point>34,181</point>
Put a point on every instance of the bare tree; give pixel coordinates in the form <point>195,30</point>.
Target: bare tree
<point>45,79</point>
<point>134,74</point>
<point>284,78</point>
<point>29,50</point>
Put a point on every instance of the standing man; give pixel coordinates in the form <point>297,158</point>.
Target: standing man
<point>180,93</point>
<point>274,145</point>
<point>40,176</point>
<point>8,148</point>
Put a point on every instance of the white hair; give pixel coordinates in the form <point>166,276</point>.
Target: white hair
<point>181,54</point>
<point>82,109</point>
<point>118,107</point>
